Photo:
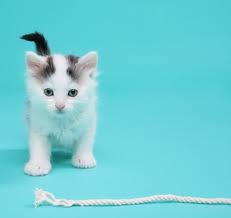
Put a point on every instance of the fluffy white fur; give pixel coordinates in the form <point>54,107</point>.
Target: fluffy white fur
<point>75,127</point>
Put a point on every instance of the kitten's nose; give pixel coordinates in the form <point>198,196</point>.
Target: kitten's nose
<point>60,105</point>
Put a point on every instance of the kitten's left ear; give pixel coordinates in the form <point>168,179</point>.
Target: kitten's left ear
<point>87,65</point>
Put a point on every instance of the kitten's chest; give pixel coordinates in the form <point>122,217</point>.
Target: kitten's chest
<point>64,134</point>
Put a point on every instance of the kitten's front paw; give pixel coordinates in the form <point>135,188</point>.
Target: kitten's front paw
<point>84,161</point>
<point>37,169</point>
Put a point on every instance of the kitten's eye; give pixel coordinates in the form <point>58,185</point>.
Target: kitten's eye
<point>48,92</point>
<point>72,92</point>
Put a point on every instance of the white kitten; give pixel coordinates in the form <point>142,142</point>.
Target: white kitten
<point>61,106</point>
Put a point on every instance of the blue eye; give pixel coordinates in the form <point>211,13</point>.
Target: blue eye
<point>48,92</point>
<point>72,92</point>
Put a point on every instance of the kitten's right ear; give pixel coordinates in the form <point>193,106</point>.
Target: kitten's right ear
<point>35,63</point>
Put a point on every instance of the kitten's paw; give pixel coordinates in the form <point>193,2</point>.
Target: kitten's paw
<point>84,161</point>
<point>37,169</point>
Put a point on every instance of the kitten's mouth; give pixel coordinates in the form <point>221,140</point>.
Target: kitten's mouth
<point>60,112</point>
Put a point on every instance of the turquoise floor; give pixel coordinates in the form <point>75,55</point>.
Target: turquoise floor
<point>164,105</point>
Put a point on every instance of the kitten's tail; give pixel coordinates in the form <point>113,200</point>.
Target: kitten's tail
<point>41,44</point>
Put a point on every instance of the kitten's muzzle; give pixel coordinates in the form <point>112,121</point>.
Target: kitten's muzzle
<point>60,106</point>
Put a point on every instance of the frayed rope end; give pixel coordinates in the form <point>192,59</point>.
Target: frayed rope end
<point>40,197</point>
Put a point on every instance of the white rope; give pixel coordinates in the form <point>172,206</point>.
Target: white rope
<point>44,197</point>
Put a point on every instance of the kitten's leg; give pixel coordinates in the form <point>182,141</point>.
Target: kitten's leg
<point>83,151</point>
<point>39,162</point>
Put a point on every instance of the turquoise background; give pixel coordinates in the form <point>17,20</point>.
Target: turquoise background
<point>164,106</point>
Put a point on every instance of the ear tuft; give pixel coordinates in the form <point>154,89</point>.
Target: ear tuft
<point>35,63</point>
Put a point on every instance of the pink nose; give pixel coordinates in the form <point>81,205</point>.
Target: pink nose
<point>60,105</point>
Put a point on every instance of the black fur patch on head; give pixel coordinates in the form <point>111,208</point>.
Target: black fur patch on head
<point>41,44</point>
<point>49,69</point>
<point>71,70</point>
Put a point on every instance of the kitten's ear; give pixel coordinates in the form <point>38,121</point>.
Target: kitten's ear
<point>87,65</point>
<point>35,63</point>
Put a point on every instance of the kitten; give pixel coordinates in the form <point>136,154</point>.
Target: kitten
<point>61,106</point>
